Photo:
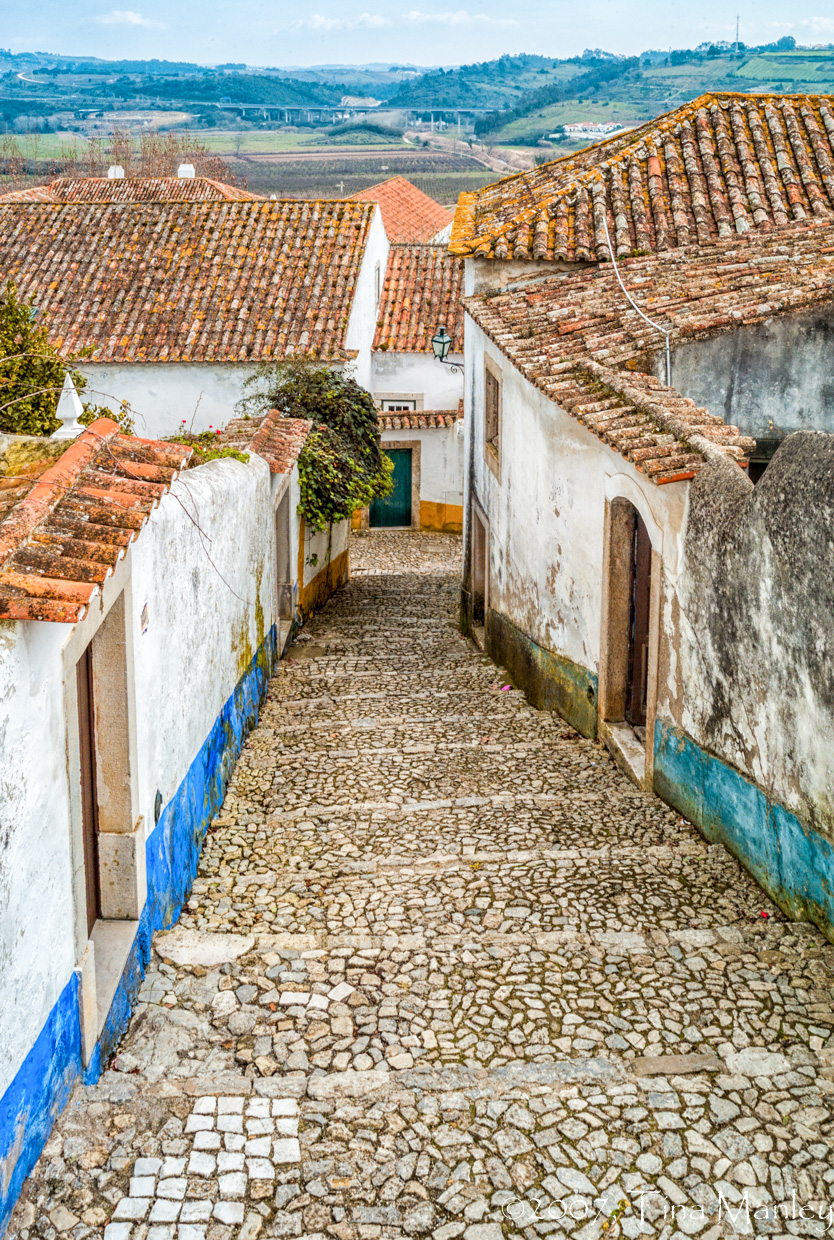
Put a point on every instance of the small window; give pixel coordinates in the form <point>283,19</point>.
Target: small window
<point>399,406</point>
<point>377,284</point>
<point>492,412</point>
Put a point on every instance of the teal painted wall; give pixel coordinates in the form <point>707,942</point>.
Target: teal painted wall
<point>789,859</point>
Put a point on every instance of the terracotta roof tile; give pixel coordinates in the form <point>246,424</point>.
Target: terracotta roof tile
<point>182,282</point>
<point>423,289</point>
<point>71,525</point>
<point>721,166</point>
<point>407,213</point>
<point>277,439</point>
<point>420,419</point>
<point>132,189</point>
<point>576,338</point>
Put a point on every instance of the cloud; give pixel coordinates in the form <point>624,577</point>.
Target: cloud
<point>818,25</point>
<point>127,17</point>
<point>365,21</point>
<point>458,17</point>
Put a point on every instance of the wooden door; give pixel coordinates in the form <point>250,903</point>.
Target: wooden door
<point>395,509</point>
<point>89,798</point>
<point>638,654</point>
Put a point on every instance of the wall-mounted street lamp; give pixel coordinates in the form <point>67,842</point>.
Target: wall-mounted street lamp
<point>441,343</point>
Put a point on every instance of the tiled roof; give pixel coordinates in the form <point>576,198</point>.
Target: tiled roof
<point>407,213</point>
<point>423,290</point>
<point>421,419</point>
<point>132,189</point>
<point>576,338</point>
<point>187,282</point>
<point>721,166</point>
<point>277,439</point>
<point>73,522</point>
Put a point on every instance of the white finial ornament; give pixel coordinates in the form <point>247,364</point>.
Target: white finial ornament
<point>68,412</point>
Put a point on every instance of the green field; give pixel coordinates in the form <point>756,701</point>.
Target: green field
<point>539,124</point>
<point>46,145</point>
<point>815,69</point>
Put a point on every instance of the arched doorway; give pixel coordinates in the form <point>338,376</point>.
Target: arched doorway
<point>626,690</point>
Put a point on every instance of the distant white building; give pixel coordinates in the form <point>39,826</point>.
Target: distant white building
<point>420,399</point>
<point>592,129</point>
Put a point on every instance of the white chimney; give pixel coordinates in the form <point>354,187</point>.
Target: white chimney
<point>185,170</point>
<point>68,411</point>
<point>115,172</point>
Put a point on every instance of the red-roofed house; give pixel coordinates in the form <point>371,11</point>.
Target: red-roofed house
<point>408,214</point>
<point>618,560</point>
<point>176,302</point>
<point>420,398</point>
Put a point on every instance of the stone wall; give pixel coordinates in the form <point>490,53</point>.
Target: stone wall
<point>743,741</point>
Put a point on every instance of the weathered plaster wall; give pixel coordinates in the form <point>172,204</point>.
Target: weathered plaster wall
<point>776,376</point>
<point>36,898</point>
<point>324,564</point>
<point>418,374</point>
<point>753,685</point>
<point>204,566</point>
<point>546,513</point>
<point>162,395</point>
<point>363,315</point>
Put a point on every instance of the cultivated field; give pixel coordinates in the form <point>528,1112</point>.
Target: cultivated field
<point>337,174</point>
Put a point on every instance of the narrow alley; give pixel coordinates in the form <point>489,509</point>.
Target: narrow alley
<point>446,972</point>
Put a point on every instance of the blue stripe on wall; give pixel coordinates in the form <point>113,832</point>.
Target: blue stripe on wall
<point>790,860</point>
<point>42,1086</point>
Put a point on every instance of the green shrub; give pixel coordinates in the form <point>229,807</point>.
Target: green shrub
<point>341,466</point>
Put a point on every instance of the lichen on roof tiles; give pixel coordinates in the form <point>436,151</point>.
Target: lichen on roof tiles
<point>423,290</point>
<point>407,213</point>
<point>132,189</point>
<point>576,338</point>
<point>189,282</point>
<point>718,167</point>
<point>69,526</point>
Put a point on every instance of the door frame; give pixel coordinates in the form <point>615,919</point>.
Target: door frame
<point>414,446</point>
<point>620,505</point>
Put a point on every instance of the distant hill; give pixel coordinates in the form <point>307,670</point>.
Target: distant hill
<point>493,84</point>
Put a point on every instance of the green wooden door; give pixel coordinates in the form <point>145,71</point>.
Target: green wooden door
<point>395,509</point>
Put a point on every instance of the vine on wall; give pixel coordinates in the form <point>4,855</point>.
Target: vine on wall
<point>342,466</point>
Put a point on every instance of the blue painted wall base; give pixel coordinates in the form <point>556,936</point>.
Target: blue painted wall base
<point>790,860</point>
<point>43,1084</point>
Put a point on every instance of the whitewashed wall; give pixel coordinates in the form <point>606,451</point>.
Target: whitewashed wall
<point>418,373</point>
<point>36,900</point>
<point>201,635</point>
<point>162,395</point>
<point>547,511</point>
<point>363,315</point>
<point>204,622</point>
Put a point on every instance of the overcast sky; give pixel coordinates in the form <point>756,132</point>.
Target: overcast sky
<point>360,31</point>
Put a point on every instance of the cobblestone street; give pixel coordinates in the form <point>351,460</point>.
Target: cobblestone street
<point>445,972</point>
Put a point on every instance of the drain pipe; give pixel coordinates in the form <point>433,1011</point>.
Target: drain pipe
<point>650,322</point>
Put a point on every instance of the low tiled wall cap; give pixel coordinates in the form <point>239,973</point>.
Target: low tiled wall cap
<point>276,438</point>
<point>721,166</point>
<point>61,541</point>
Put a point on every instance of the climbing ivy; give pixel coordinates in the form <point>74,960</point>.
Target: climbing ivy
<point>342,466</point>
<point>32,374</point>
